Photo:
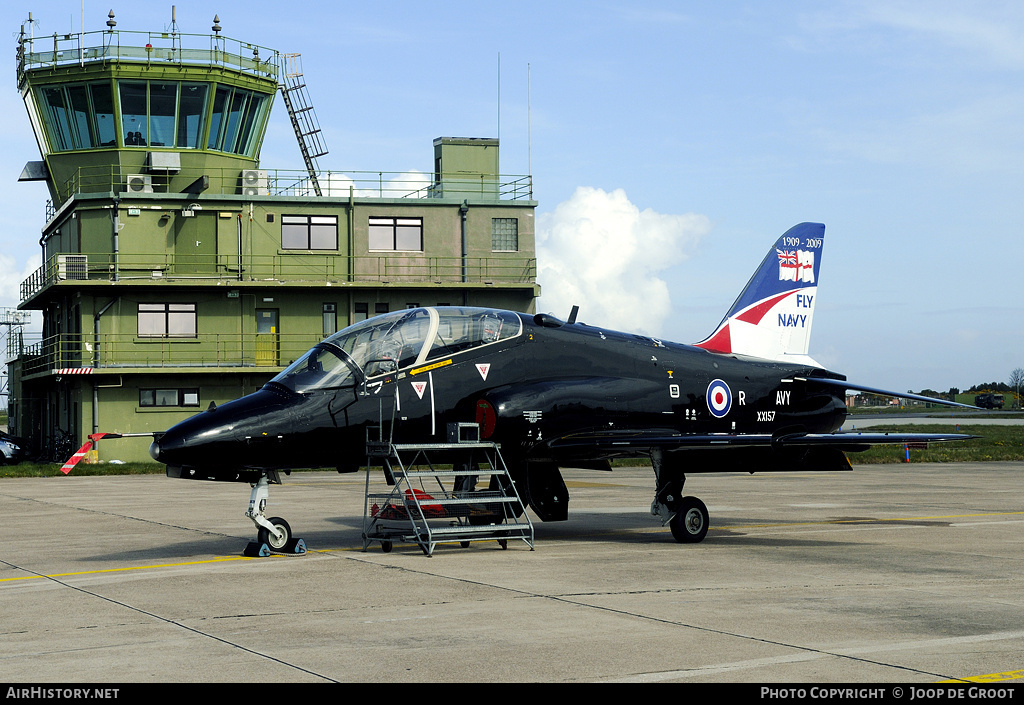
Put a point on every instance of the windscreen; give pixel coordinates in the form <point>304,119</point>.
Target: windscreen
<point>395,341</point>
<point>320,368</point>
<point>385,343</point>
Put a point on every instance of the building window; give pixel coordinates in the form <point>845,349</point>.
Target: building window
<point>360,312</point>
<point>167,320</point>
<point>309,232</point>
<point>504,235</point>
<point>77,116</point>
<point>330,315</point>
<point>162,114</point>
<point>235,120</point>
<point>396,234</point>
<point>169,397</point>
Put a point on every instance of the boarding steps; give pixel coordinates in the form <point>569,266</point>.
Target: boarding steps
<point>429,504</point>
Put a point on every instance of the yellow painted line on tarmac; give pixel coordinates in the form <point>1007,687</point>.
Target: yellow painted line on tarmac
<point>989,678</point>
<point>121,570</point>
<point>225,559</point>
<point>864,520</point>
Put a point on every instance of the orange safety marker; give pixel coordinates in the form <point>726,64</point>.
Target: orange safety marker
<point>74,459</point>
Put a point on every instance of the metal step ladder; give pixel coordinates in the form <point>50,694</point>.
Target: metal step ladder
<point>429,504</point>
<point>304,122</point>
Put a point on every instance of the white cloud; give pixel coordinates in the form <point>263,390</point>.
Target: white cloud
<point>992,31</point>
<point>11,278</point>
<point>599,251</point>
<point>987,31</point>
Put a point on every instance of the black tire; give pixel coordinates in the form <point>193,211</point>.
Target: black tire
<point>386,546</point>
<point>272,541</point>
<point>690,524</point>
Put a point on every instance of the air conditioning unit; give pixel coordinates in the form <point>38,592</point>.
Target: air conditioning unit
<point>255,182</point>
<point>139,183</point>
<point>72,267</point>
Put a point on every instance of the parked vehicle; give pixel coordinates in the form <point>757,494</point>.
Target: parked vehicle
<point>11,451</point>
<point>989,401</point>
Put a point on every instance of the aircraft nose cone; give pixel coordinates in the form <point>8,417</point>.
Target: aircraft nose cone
<point>154,450</point>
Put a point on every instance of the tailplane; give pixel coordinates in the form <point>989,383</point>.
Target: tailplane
<point>771,319</point>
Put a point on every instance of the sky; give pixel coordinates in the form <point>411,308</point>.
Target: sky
<point>670,144</point>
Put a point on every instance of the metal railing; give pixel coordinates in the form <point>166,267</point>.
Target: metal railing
<point>118,46</point>
<point>297,183</point>
<point>112,351</point>
<point>19,341</point>
<point>302,266</point>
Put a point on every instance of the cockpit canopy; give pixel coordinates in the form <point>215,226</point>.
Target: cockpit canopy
<point>396,341</point>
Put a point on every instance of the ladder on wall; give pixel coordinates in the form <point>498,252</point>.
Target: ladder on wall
<point>304,122</point>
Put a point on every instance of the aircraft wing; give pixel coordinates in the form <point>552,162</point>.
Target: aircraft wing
<point>843,384</point>
<point>623,441</point>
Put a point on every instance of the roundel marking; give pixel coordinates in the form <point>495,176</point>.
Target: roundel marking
<point>719,398</point>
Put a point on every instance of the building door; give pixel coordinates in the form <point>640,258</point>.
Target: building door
<point>267,338</point>
<point>195,244</point>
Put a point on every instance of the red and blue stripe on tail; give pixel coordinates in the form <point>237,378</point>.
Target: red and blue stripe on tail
<point>771,319</point>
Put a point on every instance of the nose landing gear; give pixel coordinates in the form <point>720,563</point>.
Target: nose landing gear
<point>686,516</point>
<point>273,535</point>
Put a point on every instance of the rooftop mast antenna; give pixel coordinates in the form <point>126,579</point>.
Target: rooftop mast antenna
<point>175,45</point>
<point>499,96</point>
<point>31,30</point>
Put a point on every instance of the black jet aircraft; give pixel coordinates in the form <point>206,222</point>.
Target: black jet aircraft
<point>554,394</point>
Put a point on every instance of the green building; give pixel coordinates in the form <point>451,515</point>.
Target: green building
<point>178,271</point>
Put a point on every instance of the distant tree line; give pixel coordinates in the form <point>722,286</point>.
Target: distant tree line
<point>990,387</point>
<point>1013,386</point>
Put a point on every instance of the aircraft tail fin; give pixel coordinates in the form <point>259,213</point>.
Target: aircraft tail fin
<point>772,317</point>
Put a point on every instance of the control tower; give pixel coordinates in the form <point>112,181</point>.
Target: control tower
<point>177,270</point>
<point>145,112</point>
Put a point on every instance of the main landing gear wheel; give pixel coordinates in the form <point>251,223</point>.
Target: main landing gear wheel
<point>275,543</point>
<point>690,524</point>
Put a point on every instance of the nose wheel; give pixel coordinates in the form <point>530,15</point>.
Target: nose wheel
<point>687,517</point>
<point>273,535</point>
<point>690,524</point>
<point>279,537</point>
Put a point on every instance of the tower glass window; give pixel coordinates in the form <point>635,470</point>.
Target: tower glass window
<point>77,116</point>
<point>103,114</point>
<point>168,114</point>
<point>237,114</point>
<point>134,125</point>
<point>191,109</point>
